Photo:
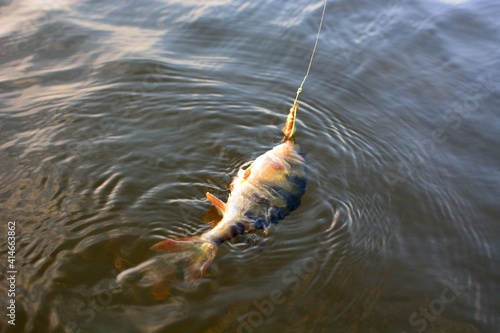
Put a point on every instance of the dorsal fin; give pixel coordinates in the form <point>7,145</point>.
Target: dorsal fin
<point>217,202</point>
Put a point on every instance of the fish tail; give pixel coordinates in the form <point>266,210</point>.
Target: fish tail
<point>289,129</point>
<point>199,253</point>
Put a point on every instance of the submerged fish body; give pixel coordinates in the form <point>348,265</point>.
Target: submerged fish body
<point>263,192</point>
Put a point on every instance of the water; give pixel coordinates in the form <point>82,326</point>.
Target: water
<point>117,117</point>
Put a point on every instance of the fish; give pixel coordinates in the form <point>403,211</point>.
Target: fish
<point>263,192</point>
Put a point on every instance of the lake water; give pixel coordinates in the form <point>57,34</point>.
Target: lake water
<point>118,116</point>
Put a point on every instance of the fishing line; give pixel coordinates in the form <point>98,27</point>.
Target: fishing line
<point>312,55</point>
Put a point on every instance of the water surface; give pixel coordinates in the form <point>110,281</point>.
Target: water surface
<point>117,117</point>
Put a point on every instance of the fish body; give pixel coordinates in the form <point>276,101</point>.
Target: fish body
<point>263,192</point>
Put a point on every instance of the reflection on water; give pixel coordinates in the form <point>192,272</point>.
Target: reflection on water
<point>116,120</point>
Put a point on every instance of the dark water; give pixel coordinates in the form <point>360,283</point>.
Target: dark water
<point>118,116</point>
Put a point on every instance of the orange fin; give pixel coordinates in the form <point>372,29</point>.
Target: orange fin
<point>160,291</point>
<point>217,202</point>
<point>170,245</point>
<point>121,264</point>
<point>247,172</point>
<point>213,216</point>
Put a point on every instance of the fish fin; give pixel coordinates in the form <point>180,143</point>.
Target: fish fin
<point>289,129</point>
<point>247,172</point>
<point>213,216</point>
<point>172,245</point>
<point>160,291</point>
<point>221,206</point>
<point>121,263</point>
<point>198,253</point>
